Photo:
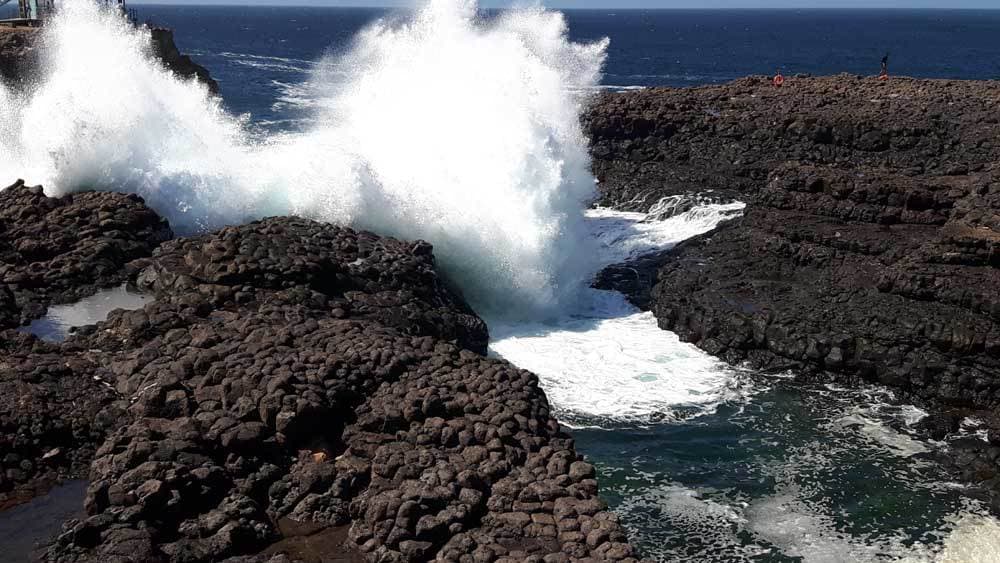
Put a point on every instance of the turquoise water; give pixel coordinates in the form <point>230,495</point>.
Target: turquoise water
<point>789,473</point>
<point>705,462</point>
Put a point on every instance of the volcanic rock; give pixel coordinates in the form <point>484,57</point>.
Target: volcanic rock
<point>55,404</point>
<point>295,372</point>
<point>55,410</point>
<point>867,251</point>
<point>726,140</point>
<point>166,50</point>
<point>57,250</point>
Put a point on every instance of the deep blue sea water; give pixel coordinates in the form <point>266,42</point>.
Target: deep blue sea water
<point>259,53</point>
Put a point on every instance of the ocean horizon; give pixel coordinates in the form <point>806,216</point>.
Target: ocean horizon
<point>264,56</point>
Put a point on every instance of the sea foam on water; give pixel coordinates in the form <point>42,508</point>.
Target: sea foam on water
<point>446,127</point>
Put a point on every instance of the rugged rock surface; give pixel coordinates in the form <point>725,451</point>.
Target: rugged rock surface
<point>633,279</point>
<point>55,408</point>
<point>54,413</point>
<point>56,250</point>
<point>906,298</point>
<point>867,252</point>
<point>290,375</point>
<point>17,53</point>
<point>728,139</point>
<point>165,48</point>
<point>636,277</point>
<point>20,56</point>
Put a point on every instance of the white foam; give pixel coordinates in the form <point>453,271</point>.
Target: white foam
<point>613,363</point>
<point>682,522</point>
<point>444,127</point>
<point>263,62</point>
<point>895,442</point>
<point>103,114</point>
<point>853,429</point>
<point>973,539</point>
<point>706,529</point>
<point>623,235</point>
<point>972,426</point>
<point>269,58</point>
<point>608,362</point>
<point>799,530</point>
<point>273,66</point>
<point>619,89</point>
<point>293,94</point>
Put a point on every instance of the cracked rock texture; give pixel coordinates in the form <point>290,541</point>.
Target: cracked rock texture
<point>868,249</point>
<point>288,374</point>
<point>57,250</point>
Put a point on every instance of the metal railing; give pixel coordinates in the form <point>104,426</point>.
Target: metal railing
<point>34,12</point>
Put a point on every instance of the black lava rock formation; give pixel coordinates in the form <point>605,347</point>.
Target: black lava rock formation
<point>166,50</point>
<point>55,411</point>
<point>289,376</point>
<point>55,404</point>
<point>57,250</point>
<point>724,141</point>
<point>867,252</point>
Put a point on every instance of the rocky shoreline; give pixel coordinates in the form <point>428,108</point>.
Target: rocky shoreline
<point>867,251</point>
<point>297,389</point>
<point>294,392</point>
<point>287,374</point>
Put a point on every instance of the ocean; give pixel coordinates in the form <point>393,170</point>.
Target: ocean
<point>260,54</point>
<point>463,129</point>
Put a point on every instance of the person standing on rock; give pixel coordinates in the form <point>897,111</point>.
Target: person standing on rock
<point>884,75</point>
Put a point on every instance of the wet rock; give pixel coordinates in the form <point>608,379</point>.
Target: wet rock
<point>57,250</point>
<point>166,50</point>
<point>54,414</point>
<point>295,371</point>
<point>633,279</point>
<point>866,253</point>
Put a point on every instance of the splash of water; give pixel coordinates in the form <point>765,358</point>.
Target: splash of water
<point>606,363</point>
<point>445,127</point>
<point>102,114</point>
